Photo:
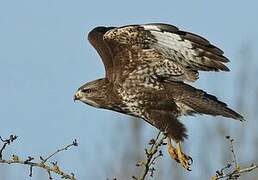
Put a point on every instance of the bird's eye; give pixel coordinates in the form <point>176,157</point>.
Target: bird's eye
<point>86,90</point>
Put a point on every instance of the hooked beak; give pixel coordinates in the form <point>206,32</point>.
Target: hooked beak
<point>76,97</point>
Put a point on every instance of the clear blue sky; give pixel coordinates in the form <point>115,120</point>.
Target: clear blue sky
<point>45,57</point>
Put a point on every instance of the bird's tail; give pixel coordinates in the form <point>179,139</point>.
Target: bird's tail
<point>200,102</point>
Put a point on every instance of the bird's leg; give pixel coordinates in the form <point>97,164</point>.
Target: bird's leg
<point>172,151</point>
<point>184,159</point>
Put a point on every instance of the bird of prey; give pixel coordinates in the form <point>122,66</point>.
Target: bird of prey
<point>148,70</point>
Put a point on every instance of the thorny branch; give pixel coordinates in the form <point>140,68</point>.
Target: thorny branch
<point>152,154</point>
<point>52,167</point>
<point>234,171</point>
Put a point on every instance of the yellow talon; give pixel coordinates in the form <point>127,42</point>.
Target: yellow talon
<point>184,159</point>
<point>172,151</point>
<point>178,155</point>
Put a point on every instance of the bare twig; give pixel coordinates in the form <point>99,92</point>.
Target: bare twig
<point>231,140</point>
<point>152,154</point>
<point>59,150</point>
<point>43,164</point>
<point>6,142</point>
<point>233,172</point>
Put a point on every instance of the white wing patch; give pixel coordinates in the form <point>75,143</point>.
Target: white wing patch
<point>187,49</point>
<point>173,42</point>
<point>151,27</point>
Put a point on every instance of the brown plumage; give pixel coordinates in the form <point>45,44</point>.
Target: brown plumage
<point>146,70</point>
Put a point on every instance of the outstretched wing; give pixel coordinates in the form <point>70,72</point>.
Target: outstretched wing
<point>96,39</point>
<point>171,54</point>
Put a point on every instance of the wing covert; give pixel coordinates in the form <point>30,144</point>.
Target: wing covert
<point>187,51</point>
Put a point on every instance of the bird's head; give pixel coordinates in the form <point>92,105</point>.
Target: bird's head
<point>94,93</point>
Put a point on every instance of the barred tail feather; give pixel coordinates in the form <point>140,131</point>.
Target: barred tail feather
<point>208,104</point>
<point>191,100</point>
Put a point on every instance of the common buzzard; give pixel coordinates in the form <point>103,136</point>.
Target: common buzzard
<point>146,70</point>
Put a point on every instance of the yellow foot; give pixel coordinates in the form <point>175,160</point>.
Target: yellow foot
<point>172,151</point>
<point>184,159</point>
<point>178,155</point>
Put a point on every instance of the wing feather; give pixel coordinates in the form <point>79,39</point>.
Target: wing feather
<point>95,37</point>
<point>185,44</point>
<point>188,51</point>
